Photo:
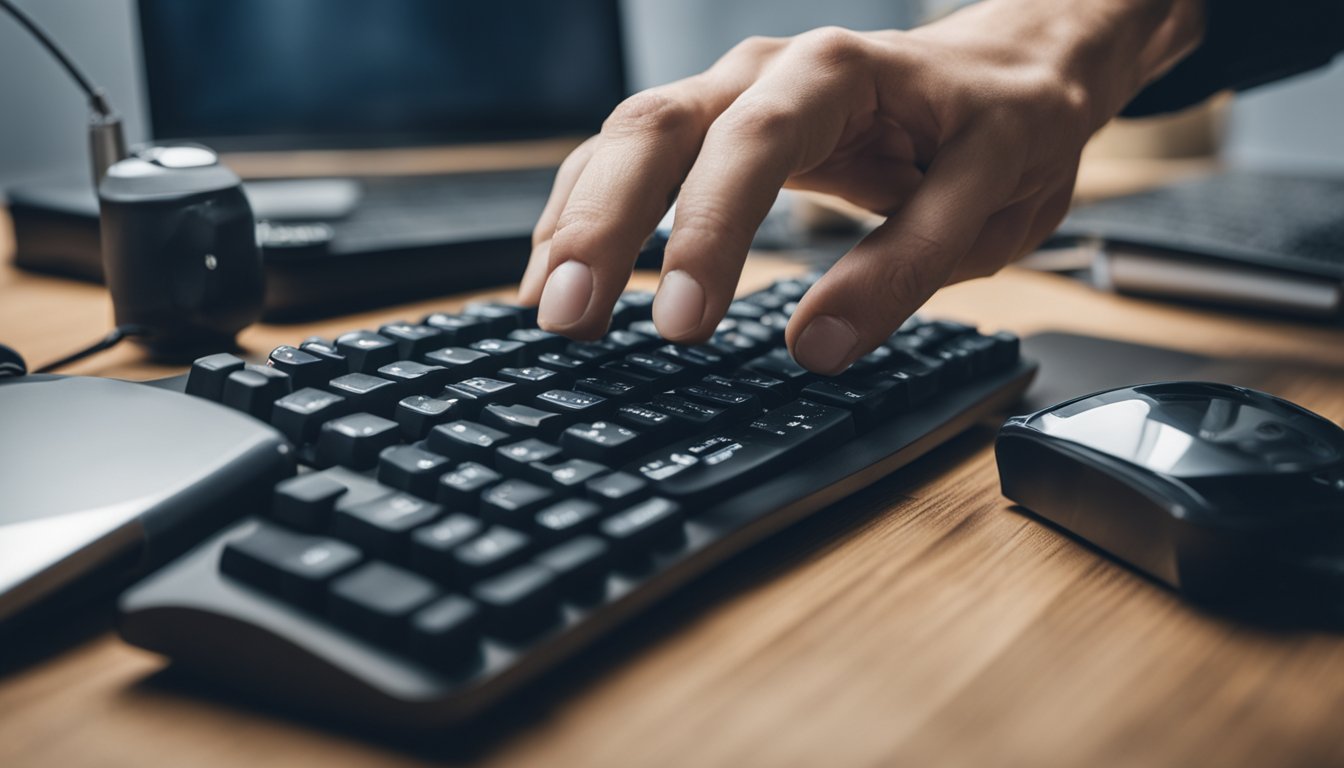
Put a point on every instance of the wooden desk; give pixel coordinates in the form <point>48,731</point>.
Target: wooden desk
<point>920,622</point>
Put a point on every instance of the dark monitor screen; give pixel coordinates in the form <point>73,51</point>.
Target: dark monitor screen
<point>309,73</point>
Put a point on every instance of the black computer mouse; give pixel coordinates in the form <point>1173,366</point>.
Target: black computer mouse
<point>11,363</point>
<point>1230,495</point>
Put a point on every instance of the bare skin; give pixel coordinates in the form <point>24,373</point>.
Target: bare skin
<point>964,133</point>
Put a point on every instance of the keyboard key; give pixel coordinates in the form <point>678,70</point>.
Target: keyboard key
<point>304,368</point>
<point>478,392</point>
<point>653,523</point>
<point>739,405</point>
<point>571,403</point>
<point>467,441</point>
<point>1007,350</point>
<point>334,363</point>
<point>291,566</point>
<point>355,440</point>
<point>366,351</point>
<point>491,552</point>
<point>867,400</point>
<point>413,341</point>
<point>415,378</point>
<point>411,469</point>
<point>605,442</point>
<point>301,413</point>
<point>592,352</point>
<point>520,602</point>
<point>432,545</point>
<point>772,392</point>
<point>514,459</point>
<point>537,341</point>
<point>460,362</point>
<point>461,489</point>
<point>305,502</point>
<point>777,364</point>
<point>460,330</point>
<point>617,490</point>
<point>692,415</point>
<point>514,501</point>
<point>377,599</point>
<point>209,373</point>
<point>567,476</point>
<point>701,359</point>
<point>418,414</point>
<point>562,363</point>
<point>633,307</point>
<point>445,633</point>
<point>566,518</point>
<point>580,566</point>
<point>367,393</point>
<point>254,389</point>
<point>655,424</point>
<point>503,351</point>
<point>529,380</point>
<point>612,387</point>
<point>381,526</point>
<point>503,317</point>
<point>523,420</point>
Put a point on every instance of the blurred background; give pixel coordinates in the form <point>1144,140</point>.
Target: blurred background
<point>1296,124</point>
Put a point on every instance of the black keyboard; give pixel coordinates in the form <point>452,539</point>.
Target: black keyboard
<point>480,499</point>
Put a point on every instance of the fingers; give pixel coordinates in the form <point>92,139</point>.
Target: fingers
<point>888,275</point>
<point>646,149</point>
<point>529,290</point>
<point>779,126</point>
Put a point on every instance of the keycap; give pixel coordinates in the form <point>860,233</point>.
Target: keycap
<point>693,416</point>
<point>366,351</point>
<point>377,599</point>
<point>617,490</point>
<point>738,405</point>
<point>566,475</point>
<point>562,363</point>
<point>530,379</point>
<point>513,501</point>
<point>334,362</point>
<point>605,442</point>
<point>432,545</point>
<point>411,469</point>
<point>208,374</point>
<point>415,378</point>
<point>646,367</point>
<point>418,414</point>
<point>304,368</point>
<point>460,330</point>
<point>467,441</point>
<point>504,317</point>
<point>503,351</point>
<point>1007,349</point>
<point>460,362</point>
<point>695,468</point>
<point>651,523</point>
<point>366,392</point>
<point>292,566</point>
<point>570,403</point>
<point>254,389</point>
<point>355,440</point>
<point>566,518</point>
<point>477,392</point>
<point>519,602</point>
<point>461,488</point>
<point>632,307</point>
<point>612,387</point>
<point>514,459</point>
<point>305,502</point>
<point>868,400</point>
<point>413,341</point>
<point>701,358</point>
<point>658,426</point>
<point>537,341</point>
<point>382,525</point>
<point>493,551</point>
<point>302,412</point>
<point>445,632</point>
<point>579,565</point>
<point>772,392</point>
<point>779,365</point>
<point>523,420</point>
<point>629,341</point>
<point>593,352</point>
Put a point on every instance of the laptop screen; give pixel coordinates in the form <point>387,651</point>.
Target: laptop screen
<point>349,73</point>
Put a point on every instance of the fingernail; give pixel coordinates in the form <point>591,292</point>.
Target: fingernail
<point>565,298</point>
<point>825,345</point>
<point>679,306</point>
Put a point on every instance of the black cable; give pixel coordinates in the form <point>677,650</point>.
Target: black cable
<point>96,98</point>
<point>115,337</point>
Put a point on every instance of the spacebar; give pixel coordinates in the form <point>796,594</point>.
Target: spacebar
<point>721,462</point>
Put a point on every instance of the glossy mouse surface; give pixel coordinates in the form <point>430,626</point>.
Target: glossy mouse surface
<point>1214,489</point>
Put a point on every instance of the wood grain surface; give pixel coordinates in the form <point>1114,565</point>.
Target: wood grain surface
<point>921,622</point>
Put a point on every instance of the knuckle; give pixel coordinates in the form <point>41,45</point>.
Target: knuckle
<point>757,119</point>
<point>648,112</point>
<point>829,47</point>
<point>754,47</point>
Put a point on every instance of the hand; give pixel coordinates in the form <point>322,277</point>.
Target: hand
<point>965,134</point>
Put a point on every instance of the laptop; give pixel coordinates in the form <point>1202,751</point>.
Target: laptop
<point>254,79</point>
